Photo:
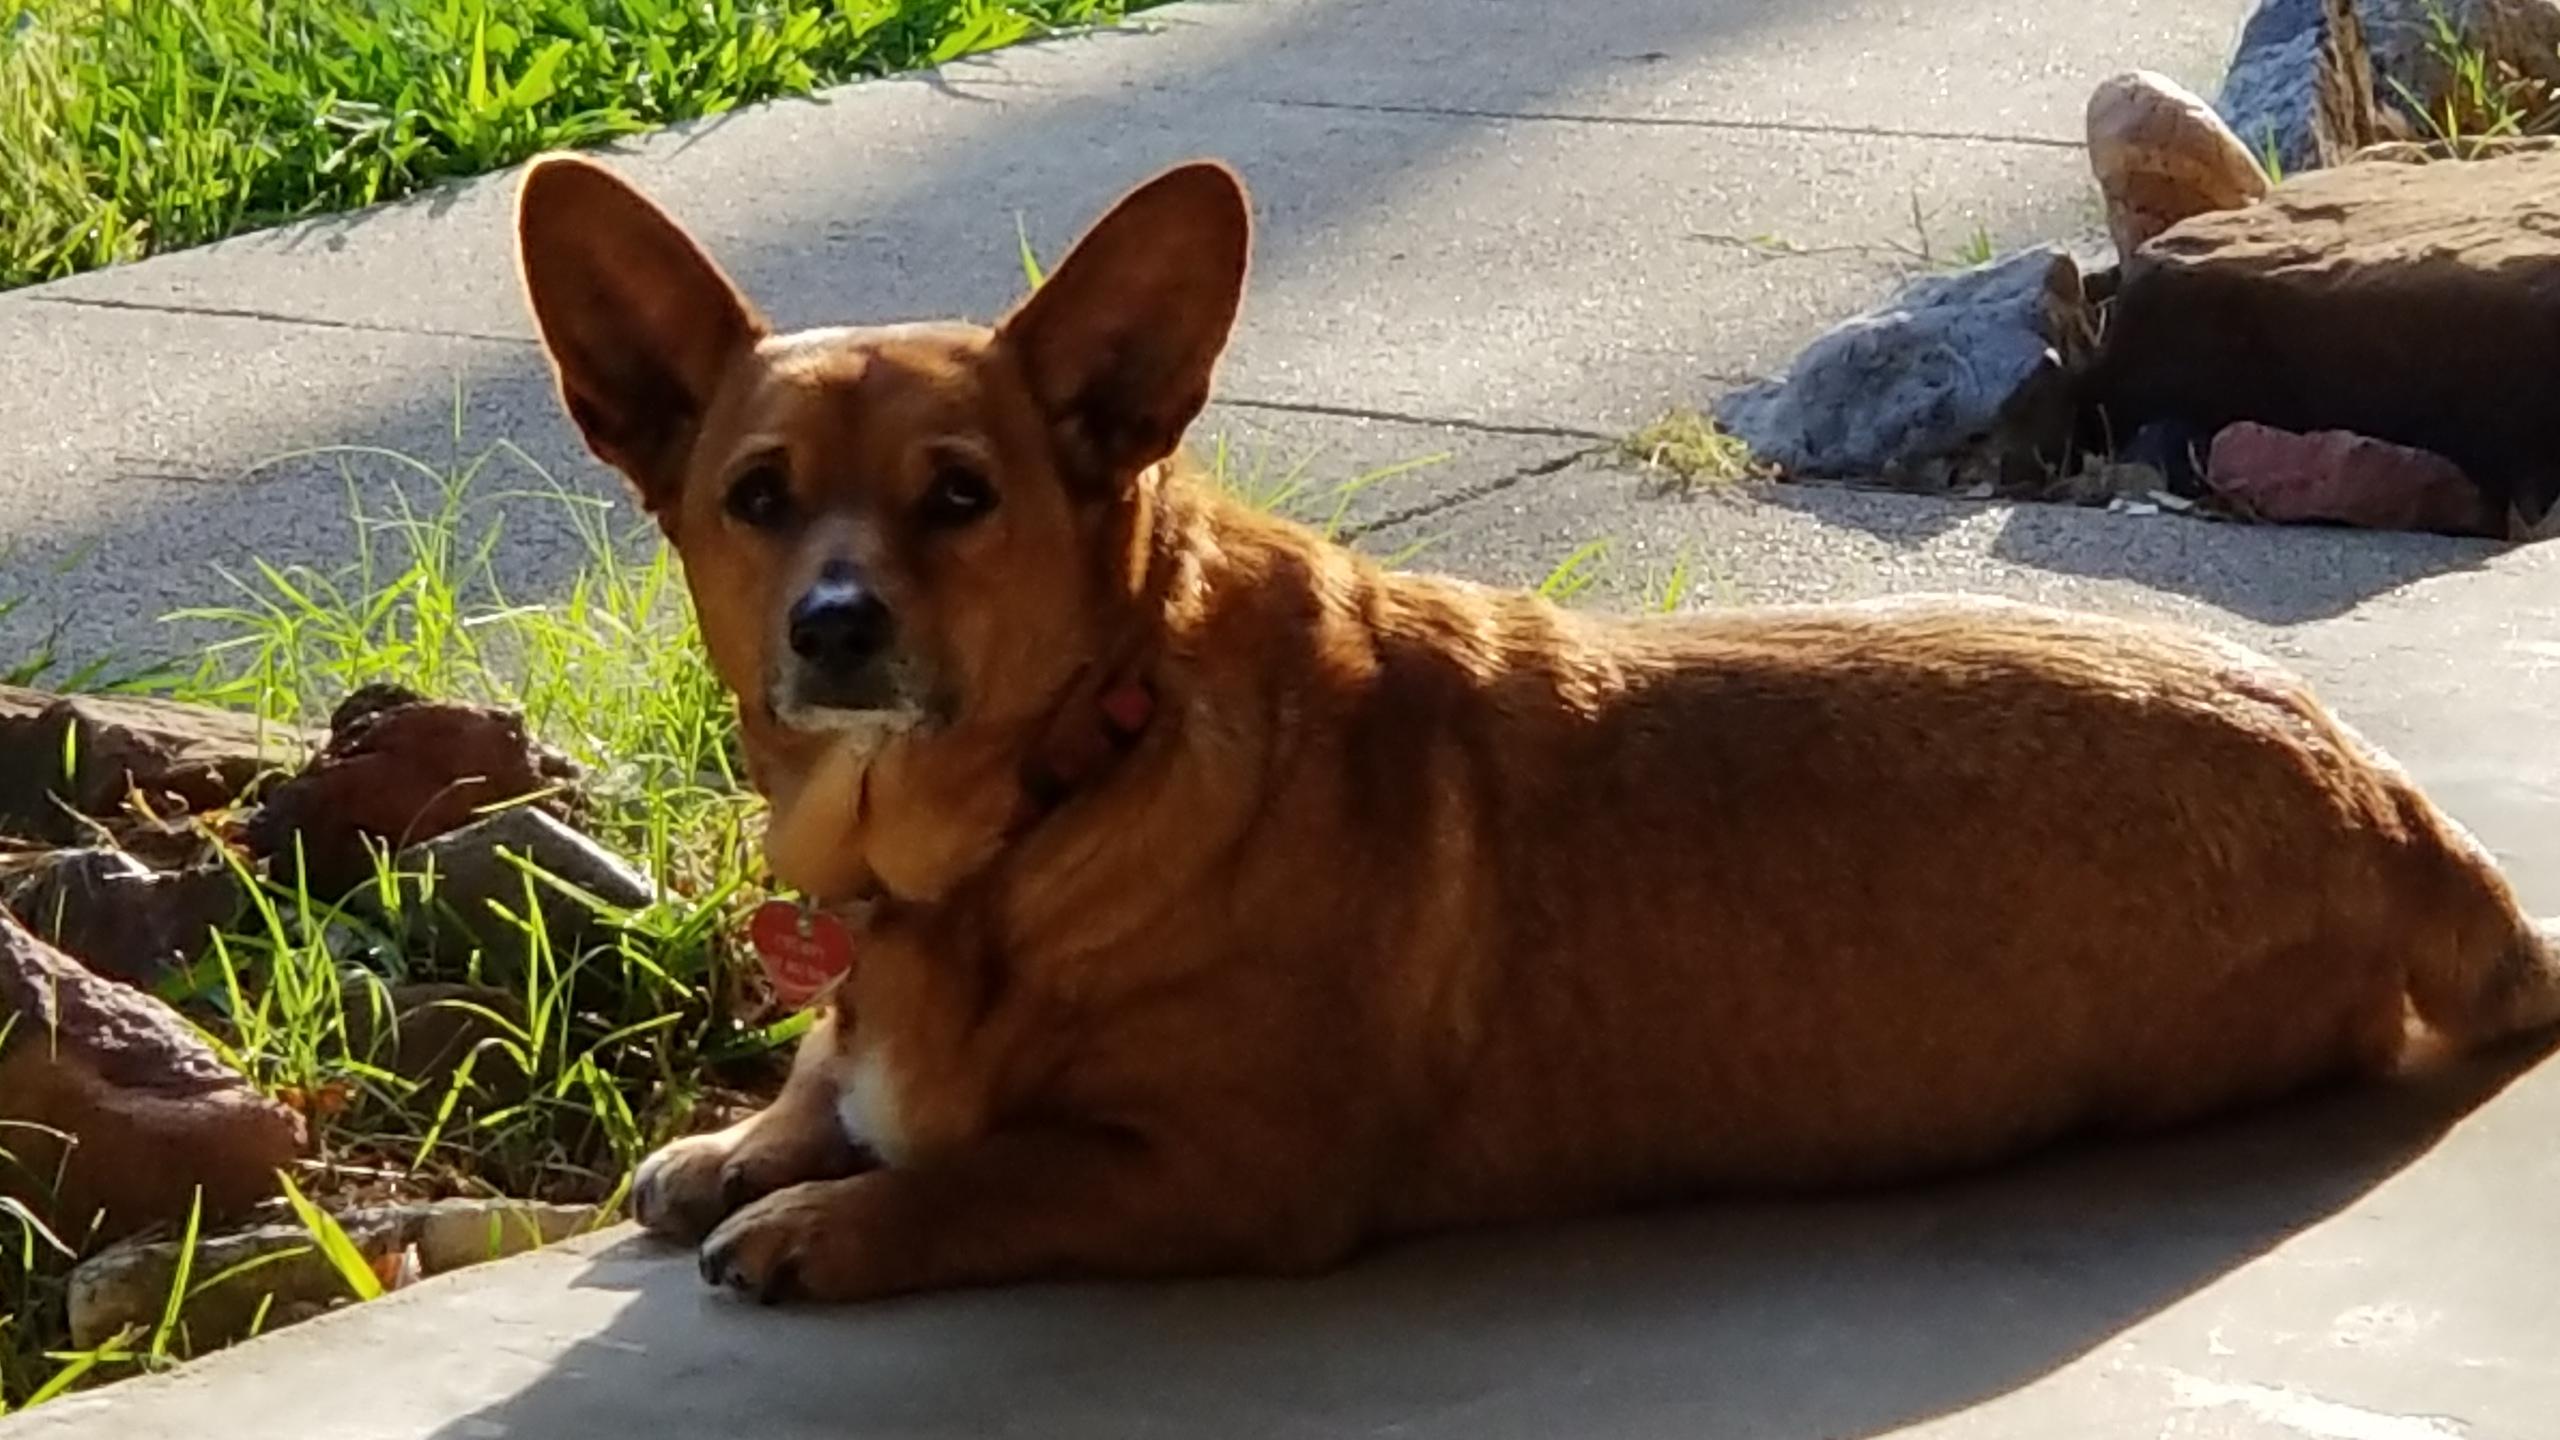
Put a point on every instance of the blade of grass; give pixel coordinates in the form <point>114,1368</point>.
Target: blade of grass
<point>332,1240</point>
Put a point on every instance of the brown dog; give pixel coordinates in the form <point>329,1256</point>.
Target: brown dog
<point>1242,901</point>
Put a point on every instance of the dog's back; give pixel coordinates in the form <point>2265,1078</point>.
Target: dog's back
<point>1780,897</point>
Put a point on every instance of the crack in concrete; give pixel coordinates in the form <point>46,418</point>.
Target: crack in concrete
<point>1468,495</point>
<point>1468,424</point>
<point>273,317</point>
<point>1841,129</point>
<point>1403,417</point>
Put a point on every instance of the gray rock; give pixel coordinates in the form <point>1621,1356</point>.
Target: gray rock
<point>466,884</point>
<point>2301,88</point>
<point>2316,80</point>
<point>457,1234</point>
<point>1983,356</point>
<point>127,1285</point>
<point>121,918</point>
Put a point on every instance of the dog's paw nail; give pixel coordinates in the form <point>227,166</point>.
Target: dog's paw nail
<point>736,1188</point>
<point>716,1257</point>
<point>765,1270</point>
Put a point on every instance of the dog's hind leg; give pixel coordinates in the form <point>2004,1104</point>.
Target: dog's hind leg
<point>2486,970</point>
<point>2475,995</point>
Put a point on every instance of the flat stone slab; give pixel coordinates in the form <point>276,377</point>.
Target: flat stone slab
<point>2371,1266</point>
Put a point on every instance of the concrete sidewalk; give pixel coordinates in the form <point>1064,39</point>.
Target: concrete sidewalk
<point>2293,1278</point>
<point>1500,230</point>
<point>1509,231</point>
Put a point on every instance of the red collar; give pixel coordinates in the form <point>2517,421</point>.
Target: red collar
<point>1126,709</point>
<point>1083,743</point>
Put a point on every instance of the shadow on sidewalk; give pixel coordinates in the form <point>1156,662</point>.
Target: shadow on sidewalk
<point>888,217</point>
<point>2272,574</point>
<point>1814,1321</point>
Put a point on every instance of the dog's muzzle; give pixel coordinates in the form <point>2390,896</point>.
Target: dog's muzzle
<point>842,671</point>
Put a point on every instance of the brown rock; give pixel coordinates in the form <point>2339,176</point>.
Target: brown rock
<point>85,753</point>
<point>2418,304</point>
<point>2518,40</point>
<point>398,770</point>
<point>2340,478</point>
<point>116,1112</point>
<point>119,917</point>
<point>2435,152</point>
<point>2347,113</point>
<point>2161,154</point>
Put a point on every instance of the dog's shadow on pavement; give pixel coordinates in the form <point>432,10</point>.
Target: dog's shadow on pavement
<point>2271,574</point>
<point>1790,1320</point>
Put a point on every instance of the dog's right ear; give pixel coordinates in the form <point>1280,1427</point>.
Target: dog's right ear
<point>640,324</point>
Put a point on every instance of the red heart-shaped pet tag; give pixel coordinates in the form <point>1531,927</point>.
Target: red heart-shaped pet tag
<point>805,952</point>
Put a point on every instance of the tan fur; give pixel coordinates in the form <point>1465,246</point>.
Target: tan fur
<point>1422,904</point>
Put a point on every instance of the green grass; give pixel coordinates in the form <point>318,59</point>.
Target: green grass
<point>1923,249</point>
<point>614,1045</point>
<point>1685,450</point>
<point>131,127</point>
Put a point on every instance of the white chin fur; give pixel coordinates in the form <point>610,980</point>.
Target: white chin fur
<point>865,730</point>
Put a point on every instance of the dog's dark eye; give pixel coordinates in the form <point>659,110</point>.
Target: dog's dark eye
<point>761,498</point>
<point>959,495</point>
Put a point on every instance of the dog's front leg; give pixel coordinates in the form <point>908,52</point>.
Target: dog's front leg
<point>1014,1206</point>
<point>688,1187</point>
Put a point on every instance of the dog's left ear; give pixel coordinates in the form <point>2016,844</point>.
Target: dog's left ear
<point>1119,344</point>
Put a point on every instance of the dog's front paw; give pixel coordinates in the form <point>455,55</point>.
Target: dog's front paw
<point>804,1243</point>
<point>682,1191</point>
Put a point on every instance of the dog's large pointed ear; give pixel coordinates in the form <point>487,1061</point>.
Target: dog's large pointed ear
<point>1119,344</point>
<point>640,324</point>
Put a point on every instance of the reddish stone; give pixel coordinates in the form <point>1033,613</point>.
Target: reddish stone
<point>2344,478</point>
<point>114,1113</point>
<point>398,770</point>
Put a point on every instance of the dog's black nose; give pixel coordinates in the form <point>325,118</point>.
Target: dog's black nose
<point>839,625</point>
